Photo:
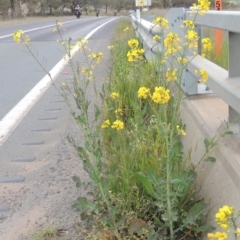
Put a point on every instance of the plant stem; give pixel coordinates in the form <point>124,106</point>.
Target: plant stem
<point>169,207</point>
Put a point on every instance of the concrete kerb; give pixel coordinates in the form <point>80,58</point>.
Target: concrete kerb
<point>218,182</point>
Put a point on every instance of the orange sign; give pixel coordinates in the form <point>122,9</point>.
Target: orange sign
<point>218,32</point>
<point>218,5</point>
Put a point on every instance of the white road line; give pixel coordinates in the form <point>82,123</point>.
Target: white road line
<point>14,116</point>
<point>35,29</point>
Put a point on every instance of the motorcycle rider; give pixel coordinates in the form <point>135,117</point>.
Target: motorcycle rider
<point>97,12</point>
<point>78,11</point>
<point>77,8</point>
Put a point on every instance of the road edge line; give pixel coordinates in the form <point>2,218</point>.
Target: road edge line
<point>11,120</point>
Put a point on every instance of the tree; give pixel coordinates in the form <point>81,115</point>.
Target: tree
<point>13,8</point>
<point>53,4</point>
<point>4,6</point>
<point>106,4</point>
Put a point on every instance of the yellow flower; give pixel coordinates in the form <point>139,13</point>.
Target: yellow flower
<point>118,125</point>
<point>156,38</point>
<point>211,235</point>
<point>135,55</point>
<point>26,40</point>
<point>182,60</point>
<point>161,22</point>
<point>180,131</point>
<point>192,35</point>
<point>206,46</point>
<point>224,225</point>
<point>192,38</point>
<point>119,111</point>
<point>223,214</point>
<point>203,76</point>
<point>143,92</point>
<point>171,42</point>
<point>110,47</point>
<point>82,44</point>
<point>114,95</point>
<point>161,95</point>
<point>221,235</point>
<point>189,24</point>
<point>217,235</point>
<point>87,72</point>
<point>106,124</point>
<point>18,35</point>
<point>126,29</point>
<point>221,217</point>
<point>59,24</point>
<point>96,56</point>
<point>201,7</point>
<point>133,43</point>
<point>171,74</point>
<point>238,232</point>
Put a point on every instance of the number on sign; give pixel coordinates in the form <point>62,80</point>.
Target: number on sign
<point>218,5</point>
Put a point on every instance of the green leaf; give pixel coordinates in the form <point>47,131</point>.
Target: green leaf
<point>206,143</point>
<point>196,212</point>
<point>82,204</point>
<point>227,133</point>
<point>210,159</point>
<point>167,216</point>
<point>146,183</point>
<point>182,183</point>
<point>206,228</point>
<point>82,153</point>
<point>152,177</point>
<point>97,111</point>
<point>77,181</point>
<point>157,221</point>
<point>93,175</point>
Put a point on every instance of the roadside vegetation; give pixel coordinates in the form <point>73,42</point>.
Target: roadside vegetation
<point>221,57</point>
<point>142,186</point>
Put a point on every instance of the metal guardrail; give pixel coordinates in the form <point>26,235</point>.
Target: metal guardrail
<point>225,84</point>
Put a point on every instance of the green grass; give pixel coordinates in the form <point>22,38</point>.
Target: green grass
<point>47,234</point>
<point>221,58</point>
<point>143,186</point>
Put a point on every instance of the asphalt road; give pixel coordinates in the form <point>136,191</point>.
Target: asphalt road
<point>37,161</point>
<point>19,72</point>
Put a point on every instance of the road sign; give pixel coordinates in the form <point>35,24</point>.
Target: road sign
<point>218,5</point>
<point>143,3</point>
<point>218,32</point>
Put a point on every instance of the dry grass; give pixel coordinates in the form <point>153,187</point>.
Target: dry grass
<point>158,11</point>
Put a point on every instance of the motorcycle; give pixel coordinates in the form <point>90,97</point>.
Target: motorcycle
<point>78,13</point>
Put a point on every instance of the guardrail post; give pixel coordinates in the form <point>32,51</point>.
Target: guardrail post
<point>138,13</point>
<point>234,68</point>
